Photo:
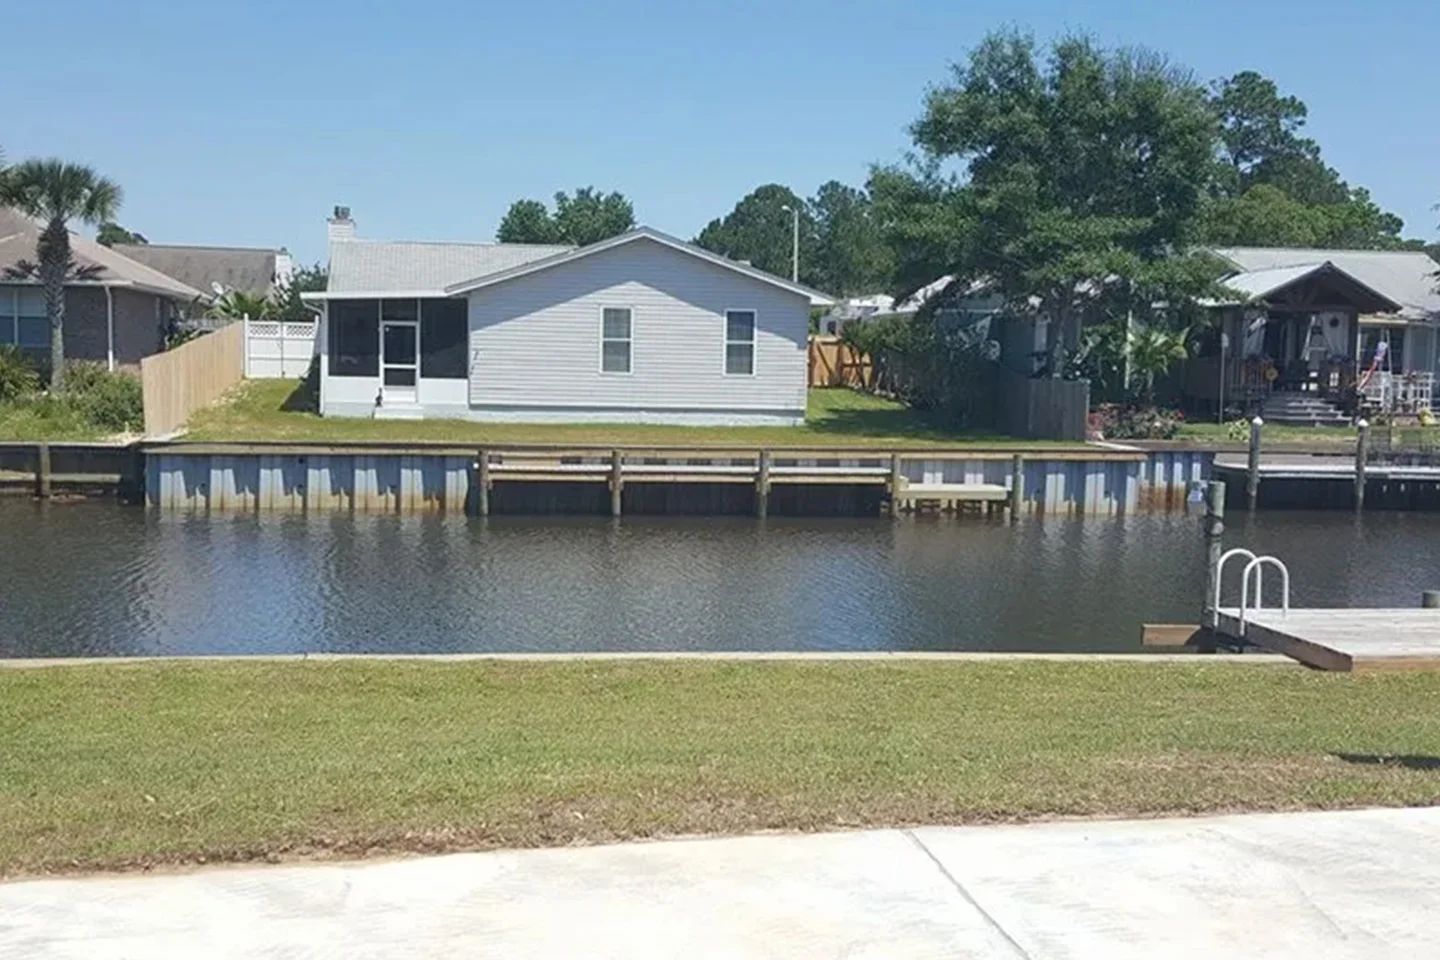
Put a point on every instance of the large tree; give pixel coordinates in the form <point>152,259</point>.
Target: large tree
<point>1084,174</point>
<point>761,230</point>
<point>588,216</point>
<point>56,193</point>
<point>111,233</point>
<point>852,255</point>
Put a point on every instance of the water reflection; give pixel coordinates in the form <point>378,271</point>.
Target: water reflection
<point>93,579</point>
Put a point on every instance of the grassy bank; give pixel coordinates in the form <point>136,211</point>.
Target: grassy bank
<point>279,410</point>
<point>112,766</point>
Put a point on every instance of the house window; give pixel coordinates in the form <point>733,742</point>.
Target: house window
<point>444,326</point>
<point>615,339</point>
<point>23,320</point>
<point>354,338</point>
<point>740,343</point>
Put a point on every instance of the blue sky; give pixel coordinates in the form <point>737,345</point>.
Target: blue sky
<point>243,123</point>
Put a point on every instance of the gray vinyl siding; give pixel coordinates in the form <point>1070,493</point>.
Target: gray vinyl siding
<point>535,340</point>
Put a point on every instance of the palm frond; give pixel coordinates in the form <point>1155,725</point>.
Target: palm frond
<point>51,189</point>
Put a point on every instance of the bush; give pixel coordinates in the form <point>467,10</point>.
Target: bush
<point>1114,421</point>
<point>108,400</point>
<point>18,375</point>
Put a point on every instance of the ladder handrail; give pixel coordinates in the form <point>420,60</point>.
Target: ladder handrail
<point>1256,565</point>
<point>1220,578</point>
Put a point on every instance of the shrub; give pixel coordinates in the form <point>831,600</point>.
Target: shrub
<point>18,375</point>
<point>108,400</point>
<point>1114,421</point>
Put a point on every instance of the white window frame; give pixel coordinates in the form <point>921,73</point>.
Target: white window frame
<point>753,343</point>
<point>628,341</point>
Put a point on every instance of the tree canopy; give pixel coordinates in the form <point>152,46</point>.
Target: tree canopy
<point>111,233</point>
<point>588,216</point>
<point>760,230</point>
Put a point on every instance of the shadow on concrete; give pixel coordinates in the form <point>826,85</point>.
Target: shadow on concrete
<point>1405,761</point>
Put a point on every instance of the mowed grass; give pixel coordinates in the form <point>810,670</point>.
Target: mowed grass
<point>34,422</point>
<point>277,410</point>
<point>117,766</point>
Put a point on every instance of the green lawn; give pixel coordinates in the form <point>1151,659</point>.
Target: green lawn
<point>278,410</point>
<point>124,765</point>
<point>1273,433</point>
<point>31,421</point>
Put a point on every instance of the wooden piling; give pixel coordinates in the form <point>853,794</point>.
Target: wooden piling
<point>1360,448</point>
<point>762,486</point>
<point>894,486</point>
<point>1213,526</point>
<point>482,483</point>
<point>42,471</point>
<point>617,482</point>
<point>1252,476</point>
<point>1017,486</point>
<point>1430,599</point>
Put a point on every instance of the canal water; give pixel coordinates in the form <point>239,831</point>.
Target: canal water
<point>95,579</point>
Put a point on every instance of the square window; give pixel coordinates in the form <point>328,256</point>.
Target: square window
<point>615,339</point>
<point>740,359</point>
<point>34,332</point>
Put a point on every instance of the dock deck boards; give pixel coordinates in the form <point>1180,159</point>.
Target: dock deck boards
<point>1345,639</point>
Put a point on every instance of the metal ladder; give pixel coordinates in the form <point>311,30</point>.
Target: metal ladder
<point>1256,566</point>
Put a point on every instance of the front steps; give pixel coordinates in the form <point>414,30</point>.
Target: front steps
<point>1302,410</point>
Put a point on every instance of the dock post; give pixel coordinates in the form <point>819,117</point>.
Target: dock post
<point>42,471</point>
<point>1360,446</point>
<point>1430,599</point>
<point>482,483</point>
<point>1252,476</point>
<point>762,486</point>
<point>894,484</point>
<point>1214,527</point>
<point>617,483</point>
<point>1017,486</point>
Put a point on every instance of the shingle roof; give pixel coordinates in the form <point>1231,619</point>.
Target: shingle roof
<point>1261,284</point>
<point>19,233</point>
<point>374,266</point>
<point>247,269</point>
<point>1407,277</point>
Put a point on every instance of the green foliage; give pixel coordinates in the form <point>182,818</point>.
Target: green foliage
<point>761,230</point>
<point>237,305</point>
<point>928,367</point>
<point>1152,352</point>
<point>1114,421</point>
<point>1085,173</point>
<point>111,233</point>
<point>18,376</point>
<point>588,216</point>
<point>109,400</point>
<point>851,254</point>
<point>312,279</point>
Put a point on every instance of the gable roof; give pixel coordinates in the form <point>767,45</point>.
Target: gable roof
<point>1406,277</point>
<point>1263,284</point>
<point>19,234</point>
<point>370,268</point>
<point>247,269</point>
<point>640,233</point>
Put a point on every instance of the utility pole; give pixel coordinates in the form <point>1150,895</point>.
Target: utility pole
<point>794,241</point>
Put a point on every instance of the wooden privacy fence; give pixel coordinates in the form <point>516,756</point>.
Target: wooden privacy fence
<point>1041,409</point>
<point>835,363</point>
<point>178,382</point>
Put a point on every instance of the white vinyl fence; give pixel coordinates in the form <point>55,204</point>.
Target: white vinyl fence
<point>276,350</point>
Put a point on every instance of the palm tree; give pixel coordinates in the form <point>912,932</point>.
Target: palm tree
<point>238,305</point>
<point>1152,352</point>
<point>56,193</point>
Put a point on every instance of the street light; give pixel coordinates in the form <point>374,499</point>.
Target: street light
<point>794,242</point>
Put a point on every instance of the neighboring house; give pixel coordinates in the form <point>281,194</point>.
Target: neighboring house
<point>879,305</point>
<point>641,327</point>
<point>216,270</point>
<point>119,312</point>
<point>1304,328</point>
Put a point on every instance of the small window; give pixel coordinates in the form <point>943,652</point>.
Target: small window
<point>740,343</point>
<point>34,332</point>
<point>354,338</point>
<point>615,340</point>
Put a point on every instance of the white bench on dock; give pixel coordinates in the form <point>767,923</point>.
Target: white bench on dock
<point>971,492</point>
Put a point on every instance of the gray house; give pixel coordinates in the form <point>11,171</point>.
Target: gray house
<point>117,313</point>
<point>639,328</point>
<point>260,271</point>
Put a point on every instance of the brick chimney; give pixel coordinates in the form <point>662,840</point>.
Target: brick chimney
<point>341,226</point>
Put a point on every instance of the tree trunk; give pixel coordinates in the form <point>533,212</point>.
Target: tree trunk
<point>53,252</point>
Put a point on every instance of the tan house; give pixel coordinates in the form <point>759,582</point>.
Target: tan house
<point>120,311</point>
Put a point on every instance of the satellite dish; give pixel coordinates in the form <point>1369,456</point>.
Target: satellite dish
<point>218,287</point>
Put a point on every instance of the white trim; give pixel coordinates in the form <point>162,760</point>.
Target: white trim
<point>753,342</point>
<point>110,326</point>
<point>816,297</point>
<point>629,341</point>
<point>322,295</point>
<point>380,318</point>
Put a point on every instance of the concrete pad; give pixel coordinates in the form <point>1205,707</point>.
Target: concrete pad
<point>1316,886</point>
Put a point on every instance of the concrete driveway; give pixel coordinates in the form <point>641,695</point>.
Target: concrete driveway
<point>1313,886</point>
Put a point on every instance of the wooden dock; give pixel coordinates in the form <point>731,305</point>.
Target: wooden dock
<point>1350,640</point>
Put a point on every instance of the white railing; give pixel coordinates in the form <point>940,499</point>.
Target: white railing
<point>1400,392</point>
<point>1255,566</point>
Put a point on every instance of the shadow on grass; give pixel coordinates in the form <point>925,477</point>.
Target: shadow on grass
<point>905,422</point>
<point>305,398</point>
<point>1404,761</point>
